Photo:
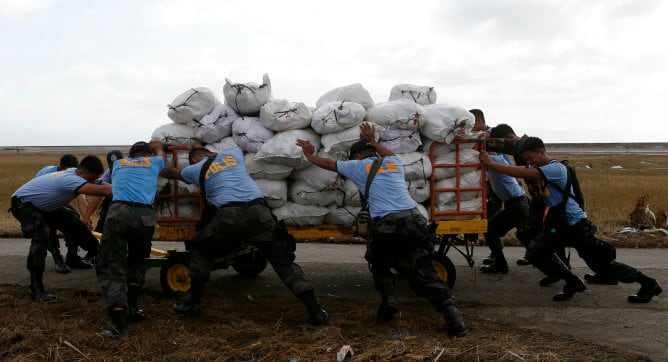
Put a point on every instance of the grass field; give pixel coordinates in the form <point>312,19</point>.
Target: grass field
<point>610,193</point>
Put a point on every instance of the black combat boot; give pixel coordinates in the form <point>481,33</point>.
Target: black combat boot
<point>649,287</point>
<point>548,280</point>
<point>573,283</point>
<point>498,266</point>
<point>119,317</point>
<point>134,313</point>
<point>36,289</point>
<point>388,308</point>
<point>454,323</point>
<point>318,316</point>
<point>599,279</point>
<point>74,261</point>
<point>191,308</point>
<point>58,260</point>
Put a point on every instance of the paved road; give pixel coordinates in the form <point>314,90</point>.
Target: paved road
<point>600,314</point>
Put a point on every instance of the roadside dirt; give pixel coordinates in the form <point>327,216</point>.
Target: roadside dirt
<point>240,327</point>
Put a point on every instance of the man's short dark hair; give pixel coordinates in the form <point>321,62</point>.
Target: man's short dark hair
<point>141,148</point>
<point>68,161</point>
<point>478,114</point>
<point>358,147</point>
<point>92,164</point>
<point>197,153</point>
<point>533,144</point>
<point>502,131</point>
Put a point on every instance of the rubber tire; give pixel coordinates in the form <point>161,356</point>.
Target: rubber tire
<point>445,269</point>
<point>250,265</point>
<point>174,274</point>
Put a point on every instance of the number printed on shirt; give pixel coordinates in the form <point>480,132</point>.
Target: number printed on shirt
<point>387,167</point>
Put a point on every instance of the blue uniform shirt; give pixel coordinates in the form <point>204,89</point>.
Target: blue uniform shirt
<point>46,170</point>
<point>557,173</point>
<point>226,179</point>
<point>106,176</point>
<point>52,190</point>
<point>388,192</point>
<point>504,186</point>
<point>136,179</point>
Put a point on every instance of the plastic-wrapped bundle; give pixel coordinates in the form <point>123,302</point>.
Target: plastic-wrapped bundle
<point>224,144</point>
<point>350,93</point>
<point>336,116</point>
<point>351,194</point>
<point>341,141</point>
<point>282,148</point>
<point>400,140</point>
<point>192,105</point>
<point>422,95</point>
<point>175,134</point>
<point>301,215</point>
<point>416,165</point>
<point>259,169</point>
<point>275,191</point>
<point>216,125</point>
<point>466,155</point>
<point>401,114</point>
<point>250,134</point>
<point>444,123</point>
<point>471,179</point>
<point>318,177</point>
<point>418,189</point>
<point>247,98</point>
<point>280,115</point>
<point>342,215</point>
<point>305,194</point>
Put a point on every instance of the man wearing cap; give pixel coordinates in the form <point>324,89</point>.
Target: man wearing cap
<point>400,237</point>
<point>40,207</point>
<point>241,214</point>
<point>127,234</point>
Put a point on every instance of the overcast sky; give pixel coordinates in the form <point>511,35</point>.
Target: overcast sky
<point>102,72</point>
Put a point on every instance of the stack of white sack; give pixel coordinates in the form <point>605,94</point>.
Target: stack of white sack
<point>247,98</point>
<point>422,95</point>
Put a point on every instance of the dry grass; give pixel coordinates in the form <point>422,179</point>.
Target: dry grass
<point>235,327</point>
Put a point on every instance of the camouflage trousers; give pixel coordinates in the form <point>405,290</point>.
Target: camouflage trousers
<point>402,241</point>
<point>250,223</point>
<point>126,241</point>
<point>41,227</point>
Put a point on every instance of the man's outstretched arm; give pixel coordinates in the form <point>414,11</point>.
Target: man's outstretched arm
<point>515,171</point>
<point>309,150</point>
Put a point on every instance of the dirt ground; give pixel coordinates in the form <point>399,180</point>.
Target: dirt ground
<point>239,327</point>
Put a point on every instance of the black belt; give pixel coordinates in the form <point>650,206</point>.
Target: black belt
<point>258,201</point>
<point>518,198</point>
<point>130,203</point>
<point>397,215</point>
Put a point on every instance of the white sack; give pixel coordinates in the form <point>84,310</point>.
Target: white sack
<point>181,160</point>
<point>470,179</point>
<point>442,148</point>
<point>341,141</point>
<point>216,125</point>
<point>275,191</point>
<point>305,194</point>
<point>342,215</point>
<point>400,140</point>
<point>318,177</point>
<point>283,149</point>
<point>418,189</point>
<point>467,155</point>
<point>175,134</point>
<point>401,114</point>
<point>259,169</point>
<point>416,165</point>
<point>224,144</point>
<point>250,134</point>
<point>247,98</point>
<point>423,210</point>
<point>350,93</point>
<point>468,205</point>
<point>351,194</point>
<point>301,215</point>
<point>188,208</point>
<point>422,95</point>
<point>192,105</point>
<point>280,115</point>
<point>336,116</point>
<point>444,123</point>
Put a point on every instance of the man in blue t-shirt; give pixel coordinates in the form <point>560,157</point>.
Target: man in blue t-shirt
<point>566,222</point>
<point>104,202</point>
<point>127,234</point>
<point>40,207</point>
<point>400,236</point>
<point>241,216</point>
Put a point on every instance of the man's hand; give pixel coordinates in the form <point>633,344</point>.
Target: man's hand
<point>484,158</point>
<point>368,132</point>
<point>306,146</point>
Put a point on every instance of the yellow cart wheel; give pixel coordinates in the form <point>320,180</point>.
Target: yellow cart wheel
<point>445,269</point>
<point>175,274</point>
